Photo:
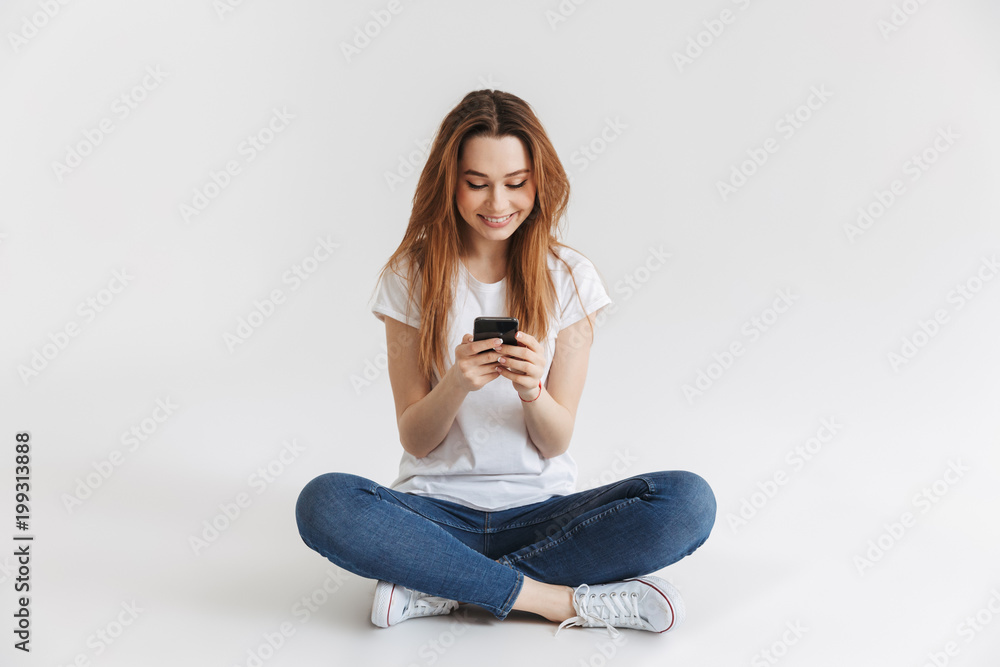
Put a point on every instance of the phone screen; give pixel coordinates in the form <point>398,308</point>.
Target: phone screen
<point>504,328</point>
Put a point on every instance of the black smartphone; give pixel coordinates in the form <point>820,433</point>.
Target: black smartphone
<point>504,328</point>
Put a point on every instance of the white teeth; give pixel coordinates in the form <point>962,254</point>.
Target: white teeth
<point>498,219</point>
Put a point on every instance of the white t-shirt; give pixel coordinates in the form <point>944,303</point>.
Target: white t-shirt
<point>487,460</point>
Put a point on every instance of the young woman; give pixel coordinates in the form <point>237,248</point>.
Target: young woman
<point>485,509</point>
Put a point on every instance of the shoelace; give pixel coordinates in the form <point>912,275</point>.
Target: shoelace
<point>428,605</point>
<point>609,609</point>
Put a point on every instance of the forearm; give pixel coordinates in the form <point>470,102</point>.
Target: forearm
<point>424,425</point>
<point>550,425</point>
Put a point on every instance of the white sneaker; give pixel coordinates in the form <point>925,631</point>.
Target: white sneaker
<point>394,604</point>
<point>645,603</point>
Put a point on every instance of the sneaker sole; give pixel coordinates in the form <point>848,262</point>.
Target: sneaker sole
<point>382,602</point>
<point>670,594</point>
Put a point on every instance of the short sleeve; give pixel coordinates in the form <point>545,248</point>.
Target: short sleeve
<point>592,293</point>
<point>390,299</point>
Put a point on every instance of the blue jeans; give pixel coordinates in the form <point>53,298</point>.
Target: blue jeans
<point>625,529</point>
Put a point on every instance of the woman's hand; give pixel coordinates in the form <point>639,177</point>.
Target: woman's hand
<point>473,367</point>
<point>523,365</point>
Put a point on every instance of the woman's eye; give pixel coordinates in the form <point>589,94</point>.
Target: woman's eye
<point>512,187</point>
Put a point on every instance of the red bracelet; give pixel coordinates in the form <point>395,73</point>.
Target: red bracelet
<point>536,397</point>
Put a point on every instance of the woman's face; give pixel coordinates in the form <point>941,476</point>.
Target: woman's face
<point>496,189</point>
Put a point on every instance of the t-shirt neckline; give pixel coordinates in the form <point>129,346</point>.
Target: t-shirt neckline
<point>481,286</point>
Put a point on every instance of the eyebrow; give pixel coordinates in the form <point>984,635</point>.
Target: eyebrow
<point>470,172</point>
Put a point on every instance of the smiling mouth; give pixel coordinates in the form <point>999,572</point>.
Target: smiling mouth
<point>496,221</point>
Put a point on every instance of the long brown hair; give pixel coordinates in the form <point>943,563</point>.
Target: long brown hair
<point>432,241</point>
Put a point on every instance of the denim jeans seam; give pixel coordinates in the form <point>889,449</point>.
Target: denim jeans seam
<point>570,534</point>
<point>486,533</point>
<point>518,585</point>
<point>649,482</point>
<point>421,514</point>
<point>522,524</point>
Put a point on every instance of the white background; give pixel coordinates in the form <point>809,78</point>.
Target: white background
<point>683,127</point>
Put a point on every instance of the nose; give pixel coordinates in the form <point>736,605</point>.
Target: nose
<point>496,201</point>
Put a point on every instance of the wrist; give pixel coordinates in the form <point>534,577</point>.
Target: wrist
<point>453,383</point>
<point>537,394</point>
